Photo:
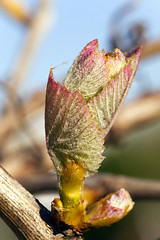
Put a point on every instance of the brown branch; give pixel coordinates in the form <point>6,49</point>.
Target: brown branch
<point>40,183</point>
<point>8,121</point>
<point>150,49</point>
<point>22,163</point>
<point>18,111</point>
<point>136,114</point>
<point>39,26</point>
<point>137,187</point>
<point>17,10</point>
<point>27,218</point>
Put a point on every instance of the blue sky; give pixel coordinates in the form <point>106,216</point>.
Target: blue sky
<point>77,23</point>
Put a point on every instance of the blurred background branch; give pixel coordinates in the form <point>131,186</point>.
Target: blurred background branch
<point>24,153</point>
<point>22,144</point>
<point>101,184</point>
<point>17,9</point>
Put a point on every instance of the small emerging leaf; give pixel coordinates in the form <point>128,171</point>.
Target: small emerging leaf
<point>88,72</point>
<point>71,131</point>
<point>79,114</point>
<point>109,209</point>
<point>103,80</point>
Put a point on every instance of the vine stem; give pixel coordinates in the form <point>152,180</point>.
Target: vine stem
<point>25,215</point>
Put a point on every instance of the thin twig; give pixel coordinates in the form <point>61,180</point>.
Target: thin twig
<point>140,112</point>
<point>17,10</point>
<point>138,188</point>
<point>150,49</point>
<point>18,111</point>
<point>40,24</point>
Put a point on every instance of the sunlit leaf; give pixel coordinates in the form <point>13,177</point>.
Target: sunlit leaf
<point>109,209</point>
<point>103,80</point>
<point>78,116</point>
<point>106,105</point>
<point>88,73</point>
<point>71,131</point>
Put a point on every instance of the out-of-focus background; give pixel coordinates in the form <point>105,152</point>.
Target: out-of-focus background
<point>36,35</point>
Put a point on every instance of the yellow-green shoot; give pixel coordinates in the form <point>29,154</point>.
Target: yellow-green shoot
<point>78,116</point>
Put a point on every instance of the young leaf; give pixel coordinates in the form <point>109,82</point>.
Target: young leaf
<point>85,107</point>
<point>109,209</point>
<point>106,105</point>
<point>88,73</point>
<point>103,80</point>
<point>78,115</point>
<point>71,132</point>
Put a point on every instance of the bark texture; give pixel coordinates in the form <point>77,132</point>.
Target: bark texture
<point>26,216</point>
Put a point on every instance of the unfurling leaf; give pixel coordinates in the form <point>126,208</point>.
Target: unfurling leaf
<point>71,132</point>
<point>103,80</point>
<point>78,115</point>
<point>109,209</point>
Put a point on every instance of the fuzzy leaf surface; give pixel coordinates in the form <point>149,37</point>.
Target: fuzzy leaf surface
<point>80,113</point>
<point>103,80</point>
<point>71,131</point>
<point>109,209</point>
<point>105,106</point>
<point>88,72</point>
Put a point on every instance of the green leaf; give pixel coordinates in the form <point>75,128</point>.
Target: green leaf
<point>80,113</point>
<point>105,106</point>
<point>71,131</point>
<point>88,72</point>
